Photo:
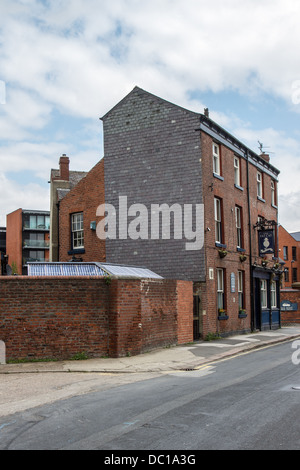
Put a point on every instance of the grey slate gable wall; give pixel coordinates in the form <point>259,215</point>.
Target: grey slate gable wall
<point>152,155</point>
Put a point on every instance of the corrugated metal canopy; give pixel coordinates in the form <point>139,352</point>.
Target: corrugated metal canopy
<point>89,269</point>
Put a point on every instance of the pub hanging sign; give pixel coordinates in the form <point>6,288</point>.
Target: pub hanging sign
<point>266,242</point>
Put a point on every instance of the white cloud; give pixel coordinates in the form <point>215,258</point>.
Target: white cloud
<point>82,57</point>
<point>33,196</point>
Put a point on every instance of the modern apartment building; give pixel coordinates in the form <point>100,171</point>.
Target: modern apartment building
<point>27,238</point>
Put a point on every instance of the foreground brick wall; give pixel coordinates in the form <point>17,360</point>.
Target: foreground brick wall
<point>53,317</point>
<point>59,317</point>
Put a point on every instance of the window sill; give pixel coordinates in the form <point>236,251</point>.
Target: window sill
<point>223,317</point>
<point>76,251</point>
<point>240,250</point>
<point>220,245</point>
<point>260,199</point>
<point>218,176</point>
<point>242,315</point>
<point>239,187</point>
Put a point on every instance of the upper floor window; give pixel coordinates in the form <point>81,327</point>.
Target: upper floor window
<point>77,230</point>
<point>238,221</point>
<point>218,220</point>
<point>294,253</point>
<point>286,275</point>
<point>273,193</point>
<point>294,274</point>
<point>259,184</point>
<point>237,171</point>
<point>216,159</point>
<point>285,253</point>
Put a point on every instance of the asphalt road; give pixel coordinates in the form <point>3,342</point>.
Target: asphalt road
<point>247,402</point>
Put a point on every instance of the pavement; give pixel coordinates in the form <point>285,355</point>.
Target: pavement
<point>183,357</point>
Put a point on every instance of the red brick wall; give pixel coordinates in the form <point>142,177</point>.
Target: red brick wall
<point>231,197</point>
<point>53,317</point>
<point>124,317</point>
<point>185,311</point>
<point>293,295</point>
<point>159,313</point>
<point>60,317</point>
<point>14,239</point>
<point>87,195</point>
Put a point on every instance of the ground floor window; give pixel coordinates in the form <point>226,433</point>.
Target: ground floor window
<point>241,290</point>
<point>220,290</point>
<point>273,295</point>
<point>263,293</point>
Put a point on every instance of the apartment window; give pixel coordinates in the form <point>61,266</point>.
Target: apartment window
<point>285,253</point>
<point>37,222</point>
<point>237,171</point>
<point>238,222</point>
<point>220,290</point>
<point>259,185</point>
<point>218,220</point>
<point>241,289</point>
<point>273,193</point>
<point>294,253</point>
<point>294,274</point>
<point>263,293</point>
<point>273,295</point>
<point>77,230</point>
<point>216,159</point>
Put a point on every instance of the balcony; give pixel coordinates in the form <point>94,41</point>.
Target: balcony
<point>27,226</point>
<point>33,260</point>
<point>44,244</point>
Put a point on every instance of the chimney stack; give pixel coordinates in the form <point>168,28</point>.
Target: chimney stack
<point>265,156</point>
<point>64,167</point>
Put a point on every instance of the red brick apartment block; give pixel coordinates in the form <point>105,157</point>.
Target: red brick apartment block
<point>58,317</point>
<point>27,238</point>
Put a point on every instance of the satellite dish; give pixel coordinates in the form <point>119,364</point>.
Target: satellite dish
<point>8,270</point>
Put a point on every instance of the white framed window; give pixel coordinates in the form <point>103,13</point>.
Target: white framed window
<point>218,220</point>
<point>259,184</point>
<point>241,289</point>
<point>273,295</point>
<point>273,193</point>
<point>237,174</point>
<point>263,293</point>
<point>238,222</point>
<point>77,230</point>
<point>216,159</point>
<point>220,289</point>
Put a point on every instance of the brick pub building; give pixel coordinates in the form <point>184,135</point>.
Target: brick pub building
<point>158,153</point>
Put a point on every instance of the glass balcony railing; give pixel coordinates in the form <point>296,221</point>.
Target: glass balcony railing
<point>36,244</point>
<point>33,260</point>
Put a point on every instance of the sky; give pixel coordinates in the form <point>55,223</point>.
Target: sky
<point>65,63</point>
